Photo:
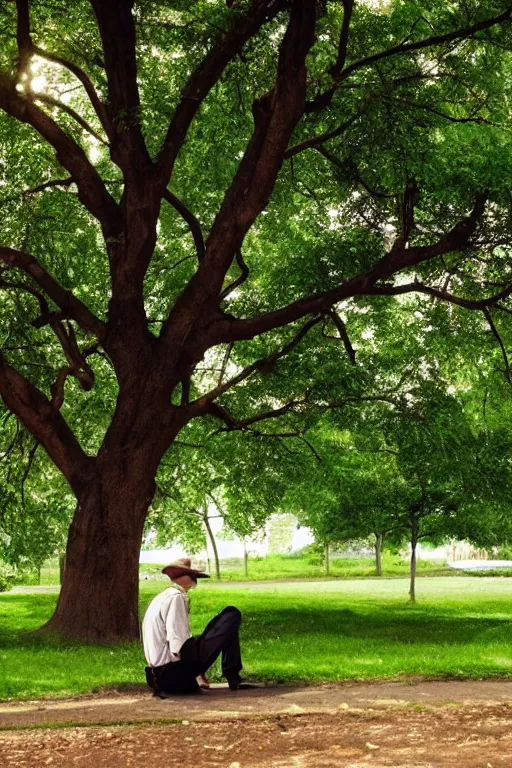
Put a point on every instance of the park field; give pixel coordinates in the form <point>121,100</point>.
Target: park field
<point>292,631</point>
<point>279,566</point>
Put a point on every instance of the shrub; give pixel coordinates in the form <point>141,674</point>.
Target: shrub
<point>6,577</point>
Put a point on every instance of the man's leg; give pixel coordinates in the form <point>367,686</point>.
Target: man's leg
<point>219,636</point>
<point>175,677</point>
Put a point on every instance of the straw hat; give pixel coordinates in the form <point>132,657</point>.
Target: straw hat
<point>182,567</point>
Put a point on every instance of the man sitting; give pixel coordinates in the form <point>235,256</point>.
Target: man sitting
<point>177,661</point>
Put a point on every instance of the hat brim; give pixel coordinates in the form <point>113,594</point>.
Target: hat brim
<point>175,571</point>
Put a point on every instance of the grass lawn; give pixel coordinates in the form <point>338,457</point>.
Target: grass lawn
<point>282,567</point>
<point>292,631</point>
<point>304,566</point>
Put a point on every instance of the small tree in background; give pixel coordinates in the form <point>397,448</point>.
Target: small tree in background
<point>352,495</point>
<point>443,462</point>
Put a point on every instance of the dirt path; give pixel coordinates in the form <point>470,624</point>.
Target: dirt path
<point>425,725</point>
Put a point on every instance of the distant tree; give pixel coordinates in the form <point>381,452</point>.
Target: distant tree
<point>446,471</point>
<point>235,481</point>
<point>352,495</point>
<point>414,466</point>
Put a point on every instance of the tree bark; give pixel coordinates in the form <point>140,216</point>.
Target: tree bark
<point>379,539</point>
<point>98,601</point>
<point>214,545</point>
<point>327,558</point>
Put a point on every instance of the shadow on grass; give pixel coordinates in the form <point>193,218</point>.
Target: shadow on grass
<point>22,615</point>
<point>400,627</point>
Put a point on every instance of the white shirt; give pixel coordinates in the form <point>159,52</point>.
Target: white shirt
<point>166,626</point>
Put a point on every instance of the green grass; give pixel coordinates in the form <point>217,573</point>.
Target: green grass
<point>301,566</point>
<point>291,632</point>
<point>280,567</point>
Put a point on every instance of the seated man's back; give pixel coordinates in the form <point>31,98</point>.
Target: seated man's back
<point>166,626</point>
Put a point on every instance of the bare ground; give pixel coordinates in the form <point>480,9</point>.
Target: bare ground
<point>425,725</point>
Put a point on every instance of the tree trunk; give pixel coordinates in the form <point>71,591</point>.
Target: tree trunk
<point>412,587</point>
<point>214,545</point>
<point>246,560</point>
<point>98,601</point>
<point>379,539</point>
<point>327,558</point>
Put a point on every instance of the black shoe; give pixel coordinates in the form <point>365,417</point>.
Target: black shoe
<point>162,695</point>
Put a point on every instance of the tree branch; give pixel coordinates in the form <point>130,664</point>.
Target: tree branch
<point>350,168</point>
<point>219,411</point>
<point>348,6</point>
<point>57,387</point>
<point>202,80</point>
<point>78,366</point>
<point>116,24</point>
<point>51,102</point>
<point>224,365</point>
<point>47,425</point>
<point>26,49</point>
<point>31,457</point>
<point>398,258</point>
<point>43,304</point>
<point>498,338</point>
<point>97,104</point>
<point>47,185</point>
<point>477,120</point>
<point>72,307</point>
<point>185,390</point>
<point>55,183</point>
<point>434,40</point>
<point>245,425</point>
<point>244,270</point>
<point>91,189</point>
<point>263,365</point>
<point>188,216</point>
<point>316,141</point>
<point>324,99</point>
<point>342,330</point>
<point>23,37</point>
<point>275,117</point>
<point>5,453</point>
<point>478,304</point>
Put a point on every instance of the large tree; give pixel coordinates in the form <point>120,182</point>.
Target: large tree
<point>340,150</point>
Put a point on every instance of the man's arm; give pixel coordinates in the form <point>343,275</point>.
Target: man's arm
<point>177,626</point>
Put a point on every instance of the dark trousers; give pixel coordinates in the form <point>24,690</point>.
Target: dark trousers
<point>198,653</point>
